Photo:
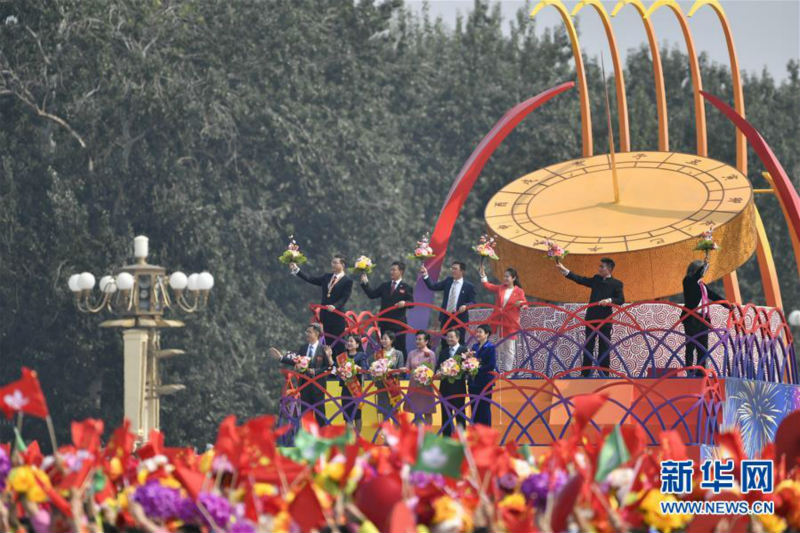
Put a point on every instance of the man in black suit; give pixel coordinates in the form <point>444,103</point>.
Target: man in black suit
<point>458,294</point>
<point>606,290</point>
<point>394,292</point>
<point>336,289</point>
<point>311,395</point>
<point>453,393</point>
<point>697,327</point>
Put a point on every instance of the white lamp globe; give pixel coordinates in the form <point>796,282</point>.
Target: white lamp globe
<point>205,281</point>
<point>192,282</point>
<point>86,281</point>
<point>107,284</point>
<point>794,318</point>
<point>124,281</point>
<point>73,283</point>
<point>178,281</point>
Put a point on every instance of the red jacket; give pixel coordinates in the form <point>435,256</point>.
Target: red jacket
<point>505,319</point>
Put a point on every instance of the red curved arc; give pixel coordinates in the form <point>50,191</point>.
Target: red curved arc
<point>471,170</point>
<point>783,185</point>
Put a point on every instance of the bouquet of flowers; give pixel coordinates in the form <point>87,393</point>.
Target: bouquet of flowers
<point>423,250</point>
<point>554,251</point>
<point>423,374</point>
<point>470,364</point>
<point>363,265</point>
<point>292,253</point>
<point>347,370</point>
<point>706,242</point>
<point>485,248</point>
<point>451,369</point>
<point>379,369</point>
<point>301,363</point>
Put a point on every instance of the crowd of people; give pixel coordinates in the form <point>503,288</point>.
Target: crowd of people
<point>329,345</point>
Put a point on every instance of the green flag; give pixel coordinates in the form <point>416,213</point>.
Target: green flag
<point>309,448</point>
<point>440,455</point>
<point>613,453</point>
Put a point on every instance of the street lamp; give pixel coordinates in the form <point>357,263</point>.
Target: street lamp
<point>139,294</point>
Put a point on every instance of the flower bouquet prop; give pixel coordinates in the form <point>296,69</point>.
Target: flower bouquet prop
<point>485,248</point>
<point>348,371</point>
<point>363,265</point>
<point>423,375</point>
<point>423,250</point>
<point>301,363</point>
<point>554,251</point>
<point>379,370</point>
<point>470,364</point>
<point>451,369</point>
<point>292,253</point>
<point>706,243</point>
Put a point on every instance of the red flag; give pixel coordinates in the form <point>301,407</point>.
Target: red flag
<point>306,510</point>
<point>586,406</point>
<point>154,446</point>
<point>86,434</point>
<point>191,480</point>
<point>565,503</point>
<point>120,445</point>
<point>24,395</point>
<point>55,498</point>
<point>75,480</point>
<point>376,497</point>
<point>672,446</point>
<point>33,455</point>
<point>635,438</point>
<point>229,443</point>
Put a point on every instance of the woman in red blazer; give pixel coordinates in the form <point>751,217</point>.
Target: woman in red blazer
<point>509,298</point>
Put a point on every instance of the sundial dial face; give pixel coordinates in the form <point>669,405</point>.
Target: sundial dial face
<point>666,200</point>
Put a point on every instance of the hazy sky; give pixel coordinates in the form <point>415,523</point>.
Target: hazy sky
<point>766,32</point>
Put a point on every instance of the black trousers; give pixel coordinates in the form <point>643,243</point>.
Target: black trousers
<point>481,409</point>
<point>696,341</point>
<point>603,334</point>
<point>312,398</point>
<point>334,325</point>
<point>453,413</point>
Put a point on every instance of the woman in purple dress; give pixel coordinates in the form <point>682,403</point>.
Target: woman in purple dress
<point>421,398</point>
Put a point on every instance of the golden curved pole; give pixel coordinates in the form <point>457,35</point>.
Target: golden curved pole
<point>619,76</point>
<point>583,90</point>
<point>694,67</point>
<point>738,92</point>
<point>766,263</point>
<point>658,73</point>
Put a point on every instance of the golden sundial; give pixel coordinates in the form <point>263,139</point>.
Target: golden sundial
<point>666,200</point>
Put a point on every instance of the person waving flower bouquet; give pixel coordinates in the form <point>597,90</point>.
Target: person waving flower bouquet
<point>292,254</point>
<point>706,243</point>
<point>423,250</point>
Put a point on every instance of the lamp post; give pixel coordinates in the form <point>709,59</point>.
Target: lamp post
<point>138,295</point>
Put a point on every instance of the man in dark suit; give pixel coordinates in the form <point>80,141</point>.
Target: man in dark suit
<point>453,393</point>
<point>479,391</point>
<point>697,327</point>
<point>606,290</point>
<point>336,289</point>
<point>458,294</point>
<point>394,292</point>
<point>311,395</point>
